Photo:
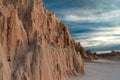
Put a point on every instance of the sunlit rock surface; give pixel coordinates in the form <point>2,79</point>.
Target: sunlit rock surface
<point>34,44</point>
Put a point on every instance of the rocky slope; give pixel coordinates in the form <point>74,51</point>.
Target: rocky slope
<point>34,44</point>
<point>87,55</point>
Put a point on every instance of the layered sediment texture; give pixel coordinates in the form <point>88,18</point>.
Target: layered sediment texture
<point>34,44</point>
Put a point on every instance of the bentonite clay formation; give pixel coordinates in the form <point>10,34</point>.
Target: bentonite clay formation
<point>34,44</point>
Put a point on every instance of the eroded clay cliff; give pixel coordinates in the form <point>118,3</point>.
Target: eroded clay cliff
<point>87,55</point>
<point>34,44</point>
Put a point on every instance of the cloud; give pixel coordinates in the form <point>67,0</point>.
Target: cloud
<point>99,37</point>
<point>77,15</point>
<point>94,23</point>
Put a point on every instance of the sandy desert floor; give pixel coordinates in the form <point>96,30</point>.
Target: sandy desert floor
<point>101,69</point>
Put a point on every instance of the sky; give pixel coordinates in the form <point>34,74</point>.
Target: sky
<point>93,23</point>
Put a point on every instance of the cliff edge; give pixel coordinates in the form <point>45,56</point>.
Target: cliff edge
<point>34,44</point>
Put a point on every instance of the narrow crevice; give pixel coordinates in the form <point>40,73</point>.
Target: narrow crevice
<point>8,42</point>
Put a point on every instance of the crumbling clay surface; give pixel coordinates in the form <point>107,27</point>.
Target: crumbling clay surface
<point>34,44</point>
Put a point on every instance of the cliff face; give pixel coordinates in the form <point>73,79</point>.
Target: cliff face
<point>34,44</point>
